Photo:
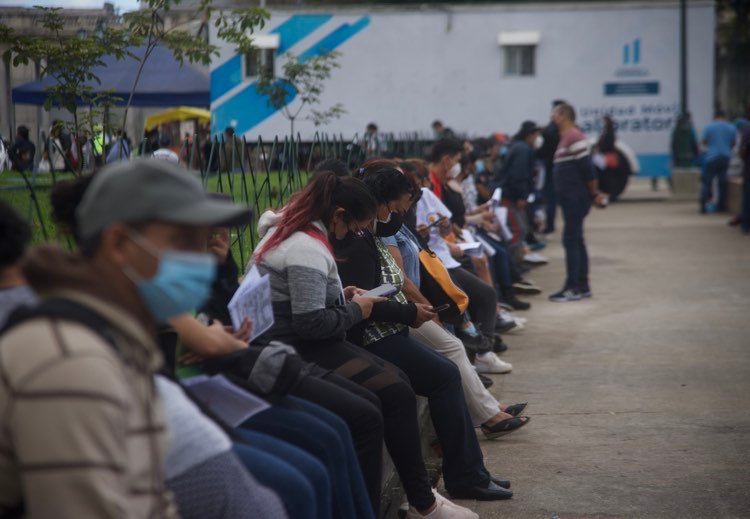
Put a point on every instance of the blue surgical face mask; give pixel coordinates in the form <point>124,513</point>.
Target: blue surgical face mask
<point>479,166</point>
<point>182,282</point>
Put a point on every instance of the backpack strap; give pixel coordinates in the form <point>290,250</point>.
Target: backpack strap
<point>66,310</point>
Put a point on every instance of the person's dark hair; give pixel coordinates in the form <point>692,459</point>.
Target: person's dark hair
<point>719,113</point>
<point>558,102</point>
<point>421,168</point>
<point>567,110</point>
<point>436,123</point>
<point>23,131</point>
<point>165,141</point>
<point>372,127</point>
<point>609,124</point>
<point>410,171</point>
<point>445,147</point>
<point>317,201</point>
<point>65,197</point>
<point>385,181</point>
<point>15,234</point>
<point>229,131</point>
<point>335,165</point>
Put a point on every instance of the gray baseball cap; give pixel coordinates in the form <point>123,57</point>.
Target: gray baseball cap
<point>145,190</point>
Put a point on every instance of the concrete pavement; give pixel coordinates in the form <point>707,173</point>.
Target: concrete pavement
<point>640,396</point>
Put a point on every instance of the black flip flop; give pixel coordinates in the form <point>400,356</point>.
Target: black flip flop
<point>504,427</point>
<point>516,409</point>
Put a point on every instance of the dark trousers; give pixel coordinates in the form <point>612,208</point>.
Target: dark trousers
<point>482,299</point>
<point>437,378</point>
<point>574,211</point>
<point>745,214</point>
<point>325,436</point>
<point>360,409</point>
<point>398,403</point>
<point>550,199</point>
<point>714,168</point>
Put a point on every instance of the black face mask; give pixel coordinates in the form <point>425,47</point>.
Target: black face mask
<point>391,227</point>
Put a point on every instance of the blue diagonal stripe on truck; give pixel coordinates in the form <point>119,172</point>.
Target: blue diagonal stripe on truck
<point>254,106</point>
<point>296,28</point>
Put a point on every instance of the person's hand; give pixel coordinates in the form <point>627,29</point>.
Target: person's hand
<point>190,358</point>
<point>423,230</point>
<point>520,204</point>
<point>455,250</point>
<point>487,216</point>
<point>424,313</point>
<point>243,332</point>
<point>351,291</point>
<point>218,243</point>
<point>601,200</point>
<point>491,226</point>
<point>445,224</point>
<point>365,304</point>
<point>225,335</point>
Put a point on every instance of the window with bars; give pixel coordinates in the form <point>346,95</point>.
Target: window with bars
<point>519,60</point>
<point>260,61</point>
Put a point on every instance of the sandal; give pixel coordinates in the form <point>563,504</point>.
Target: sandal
<point>504,427</point>
<point>515,409</point>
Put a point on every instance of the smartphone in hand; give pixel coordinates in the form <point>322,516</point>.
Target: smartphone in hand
<point>384,290</point>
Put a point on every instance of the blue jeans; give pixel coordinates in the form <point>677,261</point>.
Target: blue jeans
<point>574,211</point>
<point>500,261</point>
<point>745,213</point>
<point>714,168</point>
<point>324,435</point>
<point>299,479</point>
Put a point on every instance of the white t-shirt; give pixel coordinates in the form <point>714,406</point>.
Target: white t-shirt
<point>429,209</point>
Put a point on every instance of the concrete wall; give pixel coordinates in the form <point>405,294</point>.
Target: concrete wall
<point>402,68</point>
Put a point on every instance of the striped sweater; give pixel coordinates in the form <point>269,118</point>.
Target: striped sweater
<point>306,290</point>
<point>573,169</point>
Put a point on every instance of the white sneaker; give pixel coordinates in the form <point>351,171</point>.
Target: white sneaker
<point>491,363</point>
<point>536,259</point>
<point>444,509</point>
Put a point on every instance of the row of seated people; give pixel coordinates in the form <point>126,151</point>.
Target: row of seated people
<point>339,369</point>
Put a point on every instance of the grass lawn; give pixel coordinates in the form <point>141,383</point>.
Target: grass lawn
<point>260,191</point>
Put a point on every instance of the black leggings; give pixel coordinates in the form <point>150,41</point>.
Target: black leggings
<point>397,400</point>
<point>482,299</point>
<point>437,378</point>
<point>360,409</point>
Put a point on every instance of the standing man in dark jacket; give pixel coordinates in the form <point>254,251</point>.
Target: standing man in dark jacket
<point>23,150</point>
<point>576,189</point>
<point>516,177</point>
<point>546,154</point>
<point>745,156</point>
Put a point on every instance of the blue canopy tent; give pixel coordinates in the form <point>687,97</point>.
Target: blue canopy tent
<point>163,82</point>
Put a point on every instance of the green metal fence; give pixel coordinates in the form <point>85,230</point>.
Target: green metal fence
<point>257,174</point>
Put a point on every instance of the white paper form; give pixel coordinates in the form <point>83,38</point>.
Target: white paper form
<point>501,215</point>
<point>252,300</point>
<point>232,404</point>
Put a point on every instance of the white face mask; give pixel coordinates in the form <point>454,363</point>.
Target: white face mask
<point>455,170</point>
<point>538,142</point>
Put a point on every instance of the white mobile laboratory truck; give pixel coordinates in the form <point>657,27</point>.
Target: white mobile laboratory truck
<point>484,68</point>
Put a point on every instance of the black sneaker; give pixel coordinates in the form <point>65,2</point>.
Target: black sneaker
<point>516,303</point>
<point>504,325</point>
<point>498,346</point>
<point>486,381</point>
<point>563,296</point>
<point>586,292</point>
<point>526,287</point>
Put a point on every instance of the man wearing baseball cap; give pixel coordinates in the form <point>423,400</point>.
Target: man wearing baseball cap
<point>81,428</point>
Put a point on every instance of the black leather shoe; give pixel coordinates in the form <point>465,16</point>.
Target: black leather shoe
<point>492,492</point>
<point>500,482</point>
<point>486,381</point>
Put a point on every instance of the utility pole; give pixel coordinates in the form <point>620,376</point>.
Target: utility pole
<point>682,137</point>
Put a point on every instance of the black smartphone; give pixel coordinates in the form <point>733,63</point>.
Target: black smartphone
<point>441,308</point>
<point>437,222</point>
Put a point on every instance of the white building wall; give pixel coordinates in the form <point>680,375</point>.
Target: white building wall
<point>405,68</point>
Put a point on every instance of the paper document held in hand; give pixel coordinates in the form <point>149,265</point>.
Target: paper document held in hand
<point>253,301</point>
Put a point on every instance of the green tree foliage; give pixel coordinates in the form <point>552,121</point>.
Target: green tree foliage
<point>71,60</point>
<point>300,86</point>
